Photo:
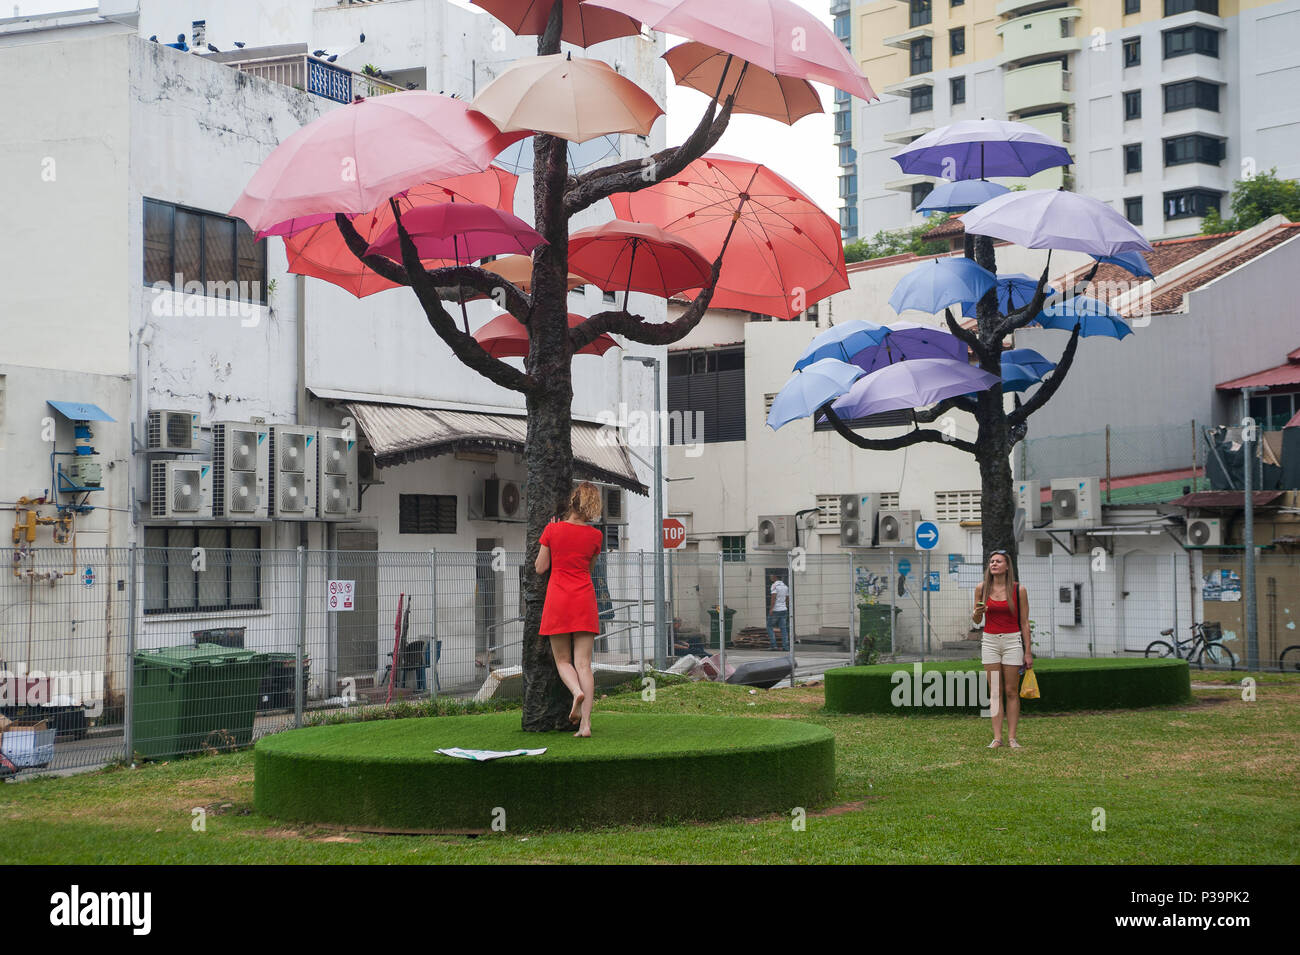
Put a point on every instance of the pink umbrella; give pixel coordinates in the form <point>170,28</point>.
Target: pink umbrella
<point>778,35</point>
<point>505,337</point>
<point>355,157</point>
<point>460,231</point>
<point>637,257</point>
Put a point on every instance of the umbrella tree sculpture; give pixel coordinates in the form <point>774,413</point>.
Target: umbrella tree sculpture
<point>559,194</point>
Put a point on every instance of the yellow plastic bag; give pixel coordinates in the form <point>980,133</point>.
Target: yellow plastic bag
<point>1029,685</point>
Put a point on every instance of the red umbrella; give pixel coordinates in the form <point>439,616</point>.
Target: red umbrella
<point>584,25</point>
<point>637,257</point>
<point>505,337</point>
<point>460,231</point>
<point>785,254</point>
<point>320,250</point>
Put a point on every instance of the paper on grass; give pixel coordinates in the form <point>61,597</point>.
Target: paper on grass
<point>483,755</point>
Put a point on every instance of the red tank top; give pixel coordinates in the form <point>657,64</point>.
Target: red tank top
<point>1000,618</point>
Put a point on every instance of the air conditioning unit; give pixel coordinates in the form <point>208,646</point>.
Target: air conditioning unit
<point>897,528</point>
<point>1076,502</point>
<point>613,505</point>
<point>776,531</point>
<point>366,467</point>
<point>172,431</point>
<point>858,519</point>
<point>1204,532</point>
<point>337,481</point>
<point>292,486</point>
<point>1029,499</point>
<point>240,466</point>
<point>180,490</point>
<point>503,500</point>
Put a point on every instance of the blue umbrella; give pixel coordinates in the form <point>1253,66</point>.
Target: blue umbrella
<point>809,389</point>
<point>1053,219</point>
<point>960,196</point>
<point>842,341</point>
<point>1029,359</point>
<point>518,157</point>
<point>1133,262</point>
<point>904,341</point>
<point>911,384</point>
<point>1018,377</point>
<point>935,285</point>
<point>1015,289</point>
<point>973,148</point>
<point>1094,317</point>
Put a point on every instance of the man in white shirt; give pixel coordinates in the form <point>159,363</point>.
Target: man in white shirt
<point>778,614</point>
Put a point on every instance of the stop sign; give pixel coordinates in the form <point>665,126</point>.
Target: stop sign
<point>674,533</point>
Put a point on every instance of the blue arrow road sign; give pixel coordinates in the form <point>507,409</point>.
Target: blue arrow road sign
<point>927,535</point>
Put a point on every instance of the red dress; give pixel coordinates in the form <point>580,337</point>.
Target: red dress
<point>570,596</point>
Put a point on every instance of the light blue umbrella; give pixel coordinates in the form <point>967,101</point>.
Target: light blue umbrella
<point>1015,289</point>
<point>842,341</point>
<point>1093,316</point>
<point>1027,358</point>
<point>1133,262</point>
<point>518,157</point>
<point>934,285</point>
<point>1055,219</point>
<point>809,389</point>
<point>960,196</point>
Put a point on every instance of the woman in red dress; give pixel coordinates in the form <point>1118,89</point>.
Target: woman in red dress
<point>570,547</point>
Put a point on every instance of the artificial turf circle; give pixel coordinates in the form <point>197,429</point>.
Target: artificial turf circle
<point>1074,684</point>
<point>388,776</point>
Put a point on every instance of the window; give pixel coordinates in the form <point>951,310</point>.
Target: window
<point>1194,148</point>
<point>1132,6</point>
<point>919,192</point>
<point>920,13</point>
<point>922,58</point>
<point>1192,94</point>
<point>1133,104</point>
<point>426,514</point>
<point>1191,39</point>
<point>214,250</point>
<point>957,505</point>
<point>608,297</point>
<point>1173,7</point>
<point>922,99</point>
<point>706,396</point>
<point>1190,203</point>
<point>843,28</point>
<point>1133,158</point>
<point>733,549</point>
<point>843,125</point>
<point>1132,52</point>
<point>611,536</point>
<point>957,3</point>
<point>848,155</point>
<point>1272,411</point>
<point>886,419</point>
<point>1133,210</point>
<point>841,97</point>
<point>849,186</point>
<point>957,41</point>
<point>957,87</point>
<point>232,579</point>
<point>849,222</point>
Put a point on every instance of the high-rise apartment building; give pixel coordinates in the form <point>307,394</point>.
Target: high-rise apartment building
<point>1162,103</point>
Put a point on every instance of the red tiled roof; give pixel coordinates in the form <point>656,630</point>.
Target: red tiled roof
<point>1288,374</point>
<point>948,229</point>
<point>1226,499</point>
<point>1171,298</point>
<point>1111,281</point>
<point>1294,422</point>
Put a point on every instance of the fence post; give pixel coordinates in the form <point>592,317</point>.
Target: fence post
<point>128,698</point>
<point>852,609</point>
<point>789,611</point>
<point>302,635</point>
<point>722,615</point>
<point>893,589</point>
<point>640,589</point>
<point>1051,597</point>
<point>432,678</point>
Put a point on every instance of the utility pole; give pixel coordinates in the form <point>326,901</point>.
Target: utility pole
<point>661,648</point>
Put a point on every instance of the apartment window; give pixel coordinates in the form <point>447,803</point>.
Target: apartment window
<point>1190,203</point>
<point>919,192</point>
<point>1133,104</point>
<point>886,419</point>
<point>957,3</point>
<point>1132,52</point>
<point>843,123</point>
<point>426,513</point>
<point>1173,7</point>
<point>708,389</point>
<point>849,185</point>
<point>214,250</point>
<point>922,99</point>
<point>920,13</point>
<point>957,41</point>
<point>848,155</point>
<point>1191,39</point>
<point>957,87</point>
<point>733,549</point>
<point>842,98</point>
<point>922,55</point>
<point>849,222</point>
<point>1194,148</point>
<point>843,27</point>
<point>1271,411</point>
<point>1133,158</point>
<point>231,580</point>
<point>1132,6</point>
<point>954,506</point>
<point>1133,210</point>
<point>1192,94</point>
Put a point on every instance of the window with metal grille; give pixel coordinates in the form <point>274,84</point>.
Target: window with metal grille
<point>1194,148</point>
<point>952,506</point>
<point>426,514</point>
<point>733,549</point>
<point>922,55</point>
<point>231,578</point>
<point>611,536</point>
<point>1192,94</point>
<point>708,388</point>
<point>1192,39</point>
<point>1133,51</point>
<point>828,510</point>
<point>920,13</point>
<point>922,99</point>
<point>886,419</point>
<point>214,250</point>
<point>1191,203</point>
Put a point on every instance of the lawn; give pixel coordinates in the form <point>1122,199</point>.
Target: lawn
<point>1210,782</point>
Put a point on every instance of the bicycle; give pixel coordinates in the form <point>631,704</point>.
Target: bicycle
<point>1289,659</point>
<point>1204,646</point>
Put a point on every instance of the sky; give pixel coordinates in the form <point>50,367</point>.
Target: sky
<point>803,153</point>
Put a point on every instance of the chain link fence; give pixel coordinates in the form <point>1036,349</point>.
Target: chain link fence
<point>1119,452</point>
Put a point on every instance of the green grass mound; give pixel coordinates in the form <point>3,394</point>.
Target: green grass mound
<point>388,776</point>
<point>959,686</point>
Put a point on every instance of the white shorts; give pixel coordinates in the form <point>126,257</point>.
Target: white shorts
<point>1005,648</point>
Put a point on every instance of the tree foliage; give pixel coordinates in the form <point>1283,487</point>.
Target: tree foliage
<point>1254,200</point>
<point>897,242</point>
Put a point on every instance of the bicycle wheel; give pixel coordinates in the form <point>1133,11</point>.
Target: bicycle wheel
<point>1160,649</point>
<point>1217,656</point>
<point>1290,658</point>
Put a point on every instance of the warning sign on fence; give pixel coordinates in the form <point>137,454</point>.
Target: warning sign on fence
<point>340,595</point>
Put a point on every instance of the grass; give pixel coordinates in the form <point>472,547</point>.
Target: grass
<point>1214,781</point>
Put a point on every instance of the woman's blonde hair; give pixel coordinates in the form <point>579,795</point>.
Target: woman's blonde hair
<point>1013,591</point>
<point>585,502</point>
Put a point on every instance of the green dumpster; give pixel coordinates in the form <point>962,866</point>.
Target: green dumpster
<point>193,699</point>
<point>713,624</point>
<point>873,627</point>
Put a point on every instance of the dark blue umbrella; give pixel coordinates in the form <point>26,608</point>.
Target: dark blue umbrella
<point>934,285</point>
<point>1018,377</point>
<point>1027,358</point>
<point>809,389</point>
<point>1015,289</point>
<point>960,196</point>
<point>1133,262</point>
<point>976,148</point>
<point>1094,318</point>
<point>842,341</point>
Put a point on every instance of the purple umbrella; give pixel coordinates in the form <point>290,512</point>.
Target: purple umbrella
<point>912,384</point>
<point>976,148</point>
<point>903,341</point>
<point>463,231</point>
<point>1055,219</point>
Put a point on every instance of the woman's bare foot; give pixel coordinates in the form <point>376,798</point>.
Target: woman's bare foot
<point>583,731</point>
<point>995,744</point>
<point>575,712</point>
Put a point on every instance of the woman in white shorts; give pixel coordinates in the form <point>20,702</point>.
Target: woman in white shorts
<point>1005,647</point>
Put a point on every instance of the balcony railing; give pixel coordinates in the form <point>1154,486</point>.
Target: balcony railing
<point>312,75</point>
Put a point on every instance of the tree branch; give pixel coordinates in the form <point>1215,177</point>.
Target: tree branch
<point>966,335</point>
<point>917,436</point>
<point>1019,318</point>
<point>1048,388</point>
<point>960,403</point>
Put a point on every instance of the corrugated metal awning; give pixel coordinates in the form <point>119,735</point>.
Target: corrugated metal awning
<point>1288,374</point>
<point>399,434</point>
<point>1225,499</point>
<point>80,411</point>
